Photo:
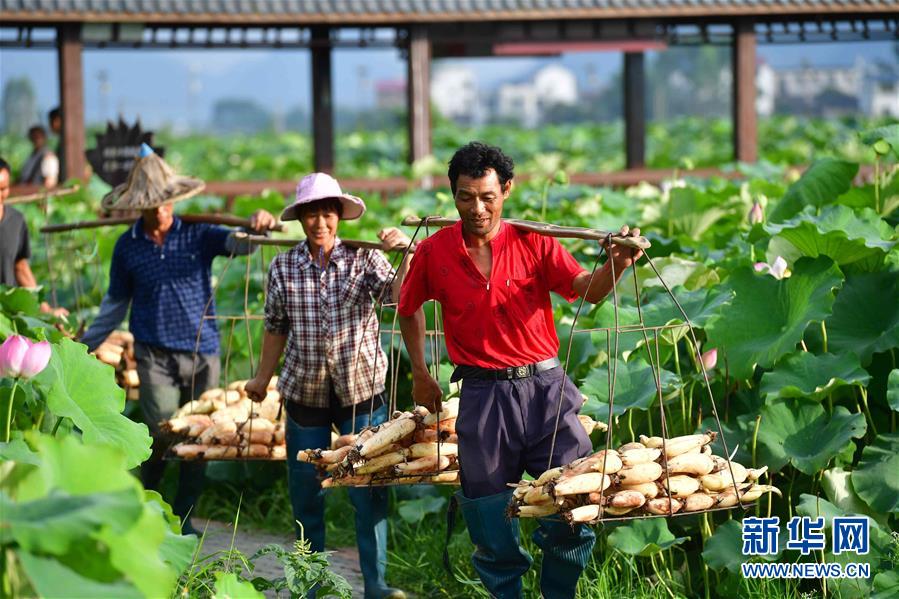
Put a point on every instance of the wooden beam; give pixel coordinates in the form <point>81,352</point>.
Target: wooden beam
<point>418,90</point>
<point>634,110</point>
<point>71,100</point>
<point>322,105</point>
<point>400,18</point>
<point>744,114</point>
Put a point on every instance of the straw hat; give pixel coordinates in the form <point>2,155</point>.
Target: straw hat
<point>151,183</point>
<point>322,186</point>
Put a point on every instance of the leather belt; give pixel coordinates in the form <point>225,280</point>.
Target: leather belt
<point>503,374</point>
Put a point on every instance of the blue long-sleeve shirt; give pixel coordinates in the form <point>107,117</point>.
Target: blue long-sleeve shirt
<point>167,286</point>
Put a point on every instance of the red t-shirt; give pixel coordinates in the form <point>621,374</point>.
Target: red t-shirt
<point>507,321</point>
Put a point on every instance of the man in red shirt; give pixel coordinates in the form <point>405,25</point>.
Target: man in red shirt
<point>493,282</point>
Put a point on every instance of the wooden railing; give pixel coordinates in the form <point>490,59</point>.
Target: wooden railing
<point>393,186</point>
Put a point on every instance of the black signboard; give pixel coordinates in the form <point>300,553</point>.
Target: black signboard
<point>116,150</point>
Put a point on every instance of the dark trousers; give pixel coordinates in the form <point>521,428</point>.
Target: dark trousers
<point>167,379</point>
<point>506,428</point>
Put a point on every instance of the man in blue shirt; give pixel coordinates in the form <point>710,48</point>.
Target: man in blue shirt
<point>161,268</point>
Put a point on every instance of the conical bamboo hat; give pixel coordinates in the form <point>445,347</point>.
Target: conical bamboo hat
<point>151,183</point>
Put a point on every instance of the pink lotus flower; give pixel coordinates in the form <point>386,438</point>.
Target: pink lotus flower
<point>756,214</point>
<point>20,358</point>
<point>778,269</point>
<point>709,359</point>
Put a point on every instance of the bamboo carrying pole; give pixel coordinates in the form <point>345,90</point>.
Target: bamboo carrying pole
<point>285,242</point>
<point>541,228</point>
<point>42,195</point>
<point>212,219</point>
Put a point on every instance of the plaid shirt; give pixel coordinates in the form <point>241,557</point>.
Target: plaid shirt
<point>327,317</point>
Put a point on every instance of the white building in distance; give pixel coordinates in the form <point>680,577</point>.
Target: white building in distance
<point>868,88</point>
<point>526,101</point>
<point>454,92</point>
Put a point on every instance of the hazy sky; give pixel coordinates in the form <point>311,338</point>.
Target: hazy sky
<point>180,86</point>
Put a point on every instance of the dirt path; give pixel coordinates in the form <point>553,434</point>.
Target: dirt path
<point>344,561</point>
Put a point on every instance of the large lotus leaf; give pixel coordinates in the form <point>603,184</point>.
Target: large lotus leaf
<point>691,212</point>
<point>676,271</point>
<point>18,300</point>
<point>644,537</point>
<point>821,184</point>
<point>876,478</point>
<point>860,238</point>
<point>699,305</point>
<point>176,550</point>
<point>865,317</point>
<point>724,549</point>
<point>893,390</point>
<point>837,484</point>
<point>804,374</point>
<point>801,432</point>
<point>137,552</point>
<point>51,524</point>
<point>82,388</point>
<point>18,451</point>
<point>768,316</point>
<point>54,580</point>
<point>228,586</point>
<point>72,467</point>
<point>634,388</point>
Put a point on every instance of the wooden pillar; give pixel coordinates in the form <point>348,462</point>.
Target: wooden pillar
<point>634,110</point>
<point>71,100</point>
<point>322,107</point>
<point>744,114</point>
<point>418,90</point>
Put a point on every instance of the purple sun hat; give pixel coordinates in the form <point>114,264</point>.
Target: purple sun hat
<point>322,186</point>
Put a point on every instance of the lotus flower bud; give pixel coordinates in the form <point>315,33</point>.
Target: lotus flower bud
<point>779,268</point>
<point>19,357</point>
<point>36,359</point>
<point>709,359</point>
<point>756,214</point>
<point>12,354</point>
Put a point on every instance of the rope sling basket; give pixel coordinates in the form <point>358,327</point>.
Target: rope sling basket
<point>222,423</point>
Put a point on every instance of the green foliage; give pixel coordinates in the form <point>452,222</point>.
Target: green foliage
<point>877,477</point>
<point>644,537</point>
<point>804,374</point>
<point>79,517</point>
<point>802,433</point>
<point>821,184</point>
<point>82,388</point>
<point>768,317</point>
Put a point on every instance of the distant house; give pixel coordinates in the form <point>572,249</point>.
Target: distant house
<point>861,87</point>
<point>880,92</point>
<point>526,100</point>
<point>454,92</point>
<point>390,94</point>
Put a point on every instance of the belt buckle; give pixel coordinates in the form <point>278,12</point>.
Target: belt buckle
<point>521,372</point>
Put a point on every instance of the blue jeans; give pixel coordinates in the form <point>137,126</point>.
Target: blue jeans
<point>308,500</point>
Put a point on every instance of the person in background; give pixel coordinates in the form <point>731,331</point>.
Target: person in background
<point>54,118</point>
<point>15,249</point>
<point>161,269</point>
<point>319,306</point>
<point>42,166</point>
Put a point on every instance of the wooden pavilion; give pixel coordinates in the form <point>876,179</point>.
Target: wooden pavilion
<point>426,29</point>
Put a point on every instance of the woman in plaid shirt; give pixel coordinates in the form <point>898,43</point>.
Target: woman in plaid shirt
<point>318,307</point>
